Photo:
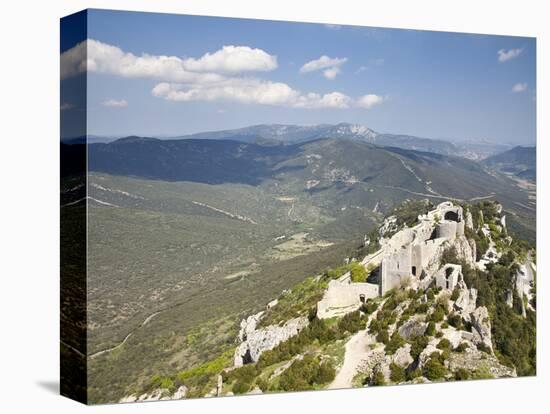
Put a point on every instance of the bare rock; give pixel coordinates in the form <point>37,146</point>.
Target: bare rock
<point>474,360</point>
<point>469,221</point>
<point>412,328</point>
<point>482,326</point>
<point>402,356</point>
<point>249,324</point>
<point>425,354</point>
<point>180,393</point>
<point>466,301</point>
<point>260,340</point>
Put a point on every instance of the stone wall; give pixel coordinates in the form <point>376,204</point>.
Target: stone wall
<point>342,296</point>
<point>448,276</point>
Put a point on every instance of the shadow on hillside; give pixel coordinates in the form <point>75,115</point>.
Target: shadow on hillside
<point>202,161</point>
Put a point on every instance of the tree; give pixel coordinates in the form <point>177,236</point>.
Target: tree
<point>378,379</point>
<point>397,373</point>
<point>434,368</point>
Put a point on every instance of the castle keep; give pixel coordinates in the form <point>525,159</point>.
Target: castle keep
<point>411,254</point>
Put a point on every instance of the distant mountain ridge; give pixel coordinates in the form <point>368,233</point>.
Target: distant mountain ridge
<point>277,134</point>
<point>520,161</point>
<point>292,134</point>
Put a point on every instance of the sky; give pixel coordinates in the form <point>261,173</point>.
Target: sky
<point>166,75</point>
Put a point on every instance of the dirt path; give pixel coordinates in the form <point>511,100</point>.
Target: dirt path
<point>356,351</point>
<point>145,322</point>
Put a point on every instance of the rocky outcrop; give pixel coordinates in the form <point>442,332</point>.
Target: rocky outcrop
<point>412,329</point>
<point>476,361</point>
<point>482,327</point>
<point>464,250</point>
<point>468,220</point>
<point>248,325</point>
<point>375,361</point>
<point>260,340</point>
<point>402,356</point>
<point>466,301</point>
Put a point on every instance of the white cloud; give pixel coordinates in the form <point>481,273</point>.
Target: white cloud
<point>233,59</point>
<point>116,103</point>
<point>100,57</point>
<point>330,66</point>
<point>331,72</point>
<point>506,55</point>
<point>370,100</point>
<point>212,77</point>
<point>251,91</point>
<point>519,87</point>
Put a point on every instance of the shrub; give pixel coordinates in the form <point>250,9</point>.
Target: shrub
<point>397,373</point>
<point>395,342</point>
<point>482,373</point>
<point>430,329</point>
<point>455,294</point>
<point>369,306</point>
<point>462,347</point>
<point>383,337</point>
<point>240,387</point>
<point>351,322</point>
<point>378,379</point>
<point>482,347</point>
<point>262,384</point>
<point>418,345</point>
<point>444,344</point>
<point>305,373</point>
<point>462,374</point>
<point>358,272</point>
<point>434,368</point>
<point>455,320</point>
<point>437,315</point>
<point>413,373</point>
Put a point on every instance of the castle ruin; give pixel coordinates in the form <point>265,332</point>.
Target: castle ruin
<point>410,256</point>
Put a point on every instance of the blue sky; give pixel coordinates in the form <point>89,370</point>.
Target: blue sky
<point>431,84</point>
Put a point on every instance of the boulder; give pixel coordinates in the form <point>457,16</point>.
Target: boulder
<point>402,356</point>
<point>412,329</point>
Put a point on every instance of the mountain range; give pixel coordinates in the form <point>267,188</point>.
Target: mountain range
<point>275,134</point>
<point>518,161</point>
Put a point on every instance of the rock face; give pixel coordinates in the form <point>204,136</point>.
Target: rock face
<point>248,325</point>
<point>466,301</point>
<point>260,340</point>
<point>469,221</point>
<point>412,329</point>
<point>482,326</point>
